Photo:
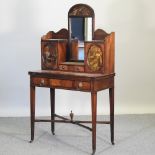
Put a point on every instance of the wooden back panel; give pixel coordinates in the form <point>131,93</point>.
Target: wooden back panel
<point>100,34</point>
<point>61,34</point>
<point>110,53</point>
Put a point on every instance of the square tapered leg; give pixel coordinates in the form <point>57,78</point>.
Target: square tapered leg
<point>52,97</point>
<point>32,110</point>
<point>111,97</point>
<point>94,113</point>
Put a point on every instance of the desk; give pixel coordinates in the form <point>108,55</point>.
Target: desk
<point>72,81</point>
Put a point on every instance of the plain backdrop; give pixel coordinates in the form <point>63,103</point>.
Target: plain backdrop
<point>23,22</point>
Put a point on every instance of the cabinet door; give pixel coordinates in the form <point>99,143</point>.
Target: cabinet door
<point>94,57</point>
<point>49,55</point>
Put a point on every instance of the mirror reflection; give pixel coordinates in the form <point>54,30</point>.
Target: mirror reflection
<point>81,30</point>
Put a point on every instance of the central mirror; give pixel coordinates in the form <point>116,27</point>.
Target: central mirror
<point>81,29</point>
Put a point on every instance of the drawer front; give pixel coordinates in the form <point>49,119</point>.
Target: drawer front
<point>64,84</point>
<point>71,68</point>
<point>80,85</point>
<point>41,82</point>
<point>61,83</point>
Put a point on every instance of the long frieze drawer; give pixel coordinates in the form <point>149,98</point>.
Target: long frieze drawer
<point>80,85</point>
<point>42,82</point>
<point>58,83</point>
<point>61,83</point>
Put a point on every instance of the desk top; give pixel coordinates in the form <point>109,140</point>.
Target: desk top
<point>64,74</point>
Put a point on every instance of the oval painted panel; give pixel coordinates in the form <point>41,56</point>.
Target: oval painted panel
<point>94,58</point>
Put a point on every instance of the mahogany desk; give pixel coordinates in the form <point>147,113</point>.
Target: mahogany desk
<point>72,81</point>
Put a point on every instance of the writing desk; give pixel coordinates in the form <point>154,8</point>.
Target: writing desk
<point>85,82</point>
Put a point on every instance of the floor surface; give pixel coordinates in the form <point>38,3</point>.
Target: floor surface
<point>134,135</point>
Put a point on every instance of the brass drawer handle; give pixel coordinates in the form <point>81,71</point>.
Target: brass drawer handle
<point>62,67</point>
<point>42,82</point>
<point>80,85</point>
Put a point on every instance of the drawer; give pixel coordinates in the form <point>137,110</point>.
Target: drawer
<point>61,83</point>
<point>71,68</point>
<point>81,85</point>
<point>42,82</point>
<point>64,84</point>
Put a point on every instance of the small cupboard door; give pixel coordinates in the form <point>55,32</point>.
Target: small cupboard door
<point>94,57</point>
<point>49,55</point>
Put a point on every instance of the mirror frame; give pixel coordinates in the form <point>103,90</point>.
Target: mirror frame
<point>80,10</point>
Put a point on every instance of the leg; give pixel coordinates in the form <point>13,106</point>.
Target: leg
<point>52,97</point>
<point>32,109</point>
<point>111,97</point>
<point>94,113</point>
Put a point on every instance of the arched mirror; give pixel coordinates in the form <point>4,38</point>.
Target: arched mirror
<point>81,29</point>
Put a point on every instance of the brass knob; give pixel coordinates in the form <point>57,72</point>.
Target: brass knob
<point>80,85</point>
<point>62,67</point>
<point>42,82</point>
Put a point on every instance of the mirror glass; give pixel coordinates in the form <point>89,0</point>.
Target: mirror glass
<point>80,31</point>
